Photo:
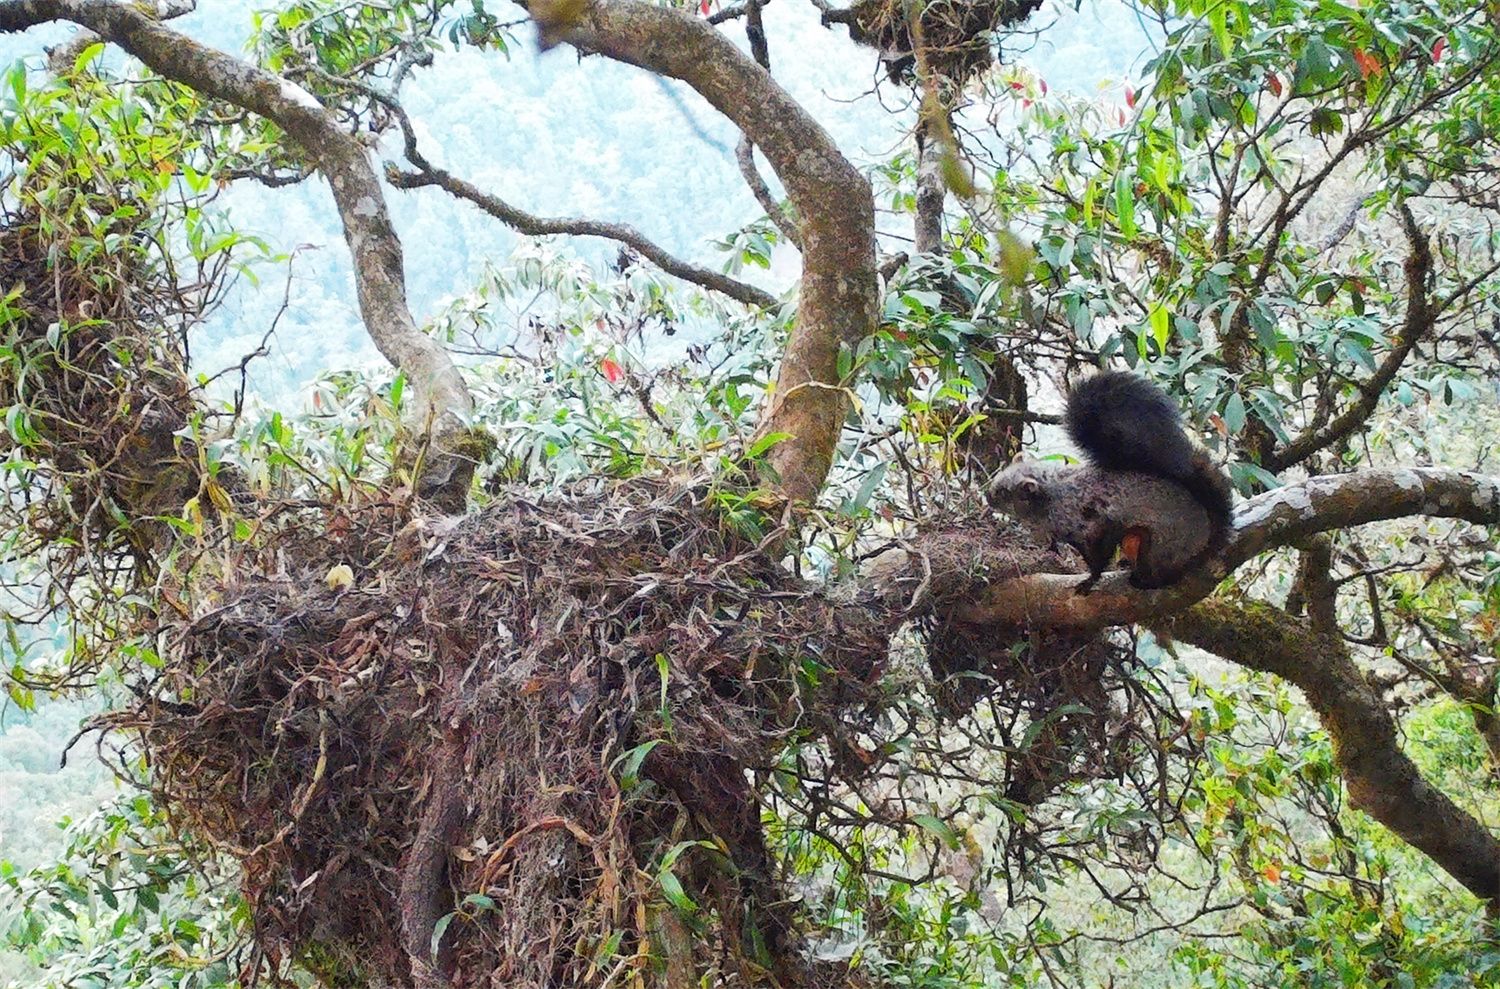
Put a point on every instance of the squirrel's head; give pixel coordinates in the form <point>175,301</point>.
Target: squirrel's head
<point>1021,490</point>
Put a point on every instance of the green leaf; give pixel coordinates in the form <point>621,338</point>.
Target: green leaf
<point>867,488</point>
<point>1161,327</point>
<point>1218,22</point>
<point>88,55</point>
<point>934,826</point>
<point>1243,473</point>
<point>922,303</point>
<point>1314,65</point>
<point>480,901</point>
<point>670,859</point>
<point>1125,203</point>
<point>608,948</point>
<point>438,929</point>
<point>1234,413</point>
<point>677,896</point>
<point>630,761</point>
<point>765,443</point>
<point>18,81</point>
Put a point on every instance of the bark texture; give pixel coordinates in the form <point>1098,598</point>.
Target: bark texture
<point>931,193</point>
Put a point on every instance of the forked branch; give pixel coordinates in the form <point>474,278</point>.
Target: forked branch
<point>1414,326</point>
<point>538,226</point>
<point>1383,781</point>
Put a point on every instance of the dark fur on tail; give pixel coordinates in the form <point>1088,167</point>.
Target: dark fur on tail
<point>1123,422</point>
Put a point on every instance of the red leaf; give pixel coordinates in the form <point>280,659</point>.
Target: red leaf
<point>1273,83</point>
<point>1017,84</point>
<point>1129,97</point>
<point>1025,104</point>
<point>1438,47</point>
<point>611,370</point>
<point>1122,118</point>
<point>1368,64</point>
<point>1042,83</point>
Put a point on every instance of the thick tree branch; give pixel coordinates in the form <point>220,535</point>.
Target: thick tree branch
<point>1382,780</point>
<point>1283,517</point>
<point>1314,591</point>
<point>1308,652</point>
<point>443,401</point>
<point>838,304</point>
<point>537,226</point>
<point>1417,324</point>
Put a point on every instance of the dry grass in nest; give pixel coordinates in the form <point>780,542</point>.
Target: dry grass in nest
<point>1055,679</point>
<point>526,711</point>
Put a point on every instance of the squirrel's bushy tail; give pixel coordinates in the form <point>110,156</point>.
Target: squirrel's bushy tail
<point>1210,487</point>
<point>1123,422</point>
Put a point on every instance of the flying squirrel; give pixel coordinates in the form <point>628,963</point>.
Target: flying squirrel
<point>1147,490</point>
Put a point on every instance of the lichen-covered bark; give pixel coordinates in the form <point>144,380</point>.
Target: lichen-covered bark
<point>442,399</point>
<point>838,303</point>
<point>1308,652</point>
<point>1382,780</point>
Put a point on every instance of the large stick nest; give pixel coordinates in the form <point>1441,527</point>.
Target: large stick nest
<point>475,760</point>
<point>482,686</point>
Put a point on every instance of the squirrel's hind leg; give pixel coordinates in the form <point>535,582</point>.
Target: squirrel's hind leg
<point>1098,551</point>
